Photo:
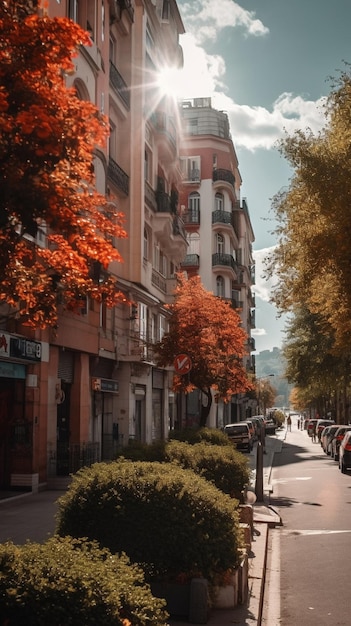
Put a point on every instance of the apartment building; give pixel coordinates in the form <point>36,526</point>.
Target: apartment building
<point>218,226</point>
<point>71,396</point>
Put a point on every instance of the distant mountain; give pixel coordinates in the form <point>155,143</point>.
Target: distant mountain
<point>272,362</point>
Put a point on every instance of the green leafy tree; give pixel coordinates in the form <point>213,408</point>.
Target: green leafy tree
<point>313,255</point>
<point>47,141</point>
<point>209,331</point>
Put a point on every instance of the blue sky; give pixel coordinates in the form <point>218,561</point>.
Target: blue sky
<point>267,63</point>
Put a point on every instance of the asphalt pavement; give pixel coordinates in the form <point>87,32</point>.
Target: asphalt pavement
<point>27,516</point>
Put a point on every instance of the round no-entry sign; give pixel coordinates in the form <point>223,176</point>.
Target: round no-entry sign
<point>182,364</point>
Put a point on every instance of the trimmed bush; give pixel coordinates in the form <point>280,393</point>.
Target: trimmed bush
<point>167,519</point>
<point>138,451</point>
<point>73,583</point>
<point>210,435</point>
<point>223,466</point>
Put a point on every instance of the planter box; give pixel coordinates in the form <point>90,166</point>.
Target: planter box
<point>189,601</point>
<point>226,597</point>
<point>176,595</point>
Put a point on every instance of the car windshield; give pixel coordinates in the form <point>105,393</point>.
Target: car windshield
<point>236,430</point>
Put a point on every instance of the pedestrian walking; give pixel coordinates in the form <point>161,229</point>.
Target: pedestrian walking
<point>289,423</point>
<point>314,433</point>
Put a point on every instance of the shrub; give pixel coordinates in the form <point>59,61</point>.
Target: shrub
<point>138,451</point>
<point>210,435</point>
<point>75,583</point>
<point>223,466</point>
<point>169,520</point>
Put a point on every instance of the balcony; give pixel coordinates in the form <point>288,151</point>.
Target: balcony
<point>222,217</point>
<point>224,176</point>
<point>119,85</point>
<point>159,281</point>
<point>224,260</point>
<point>118,176</point>
<point>163,202</point>
<point>166,135</point>
<point>191,260</point>
<point>191,217</point>
<point>236,304</point>
<point>150,197</point>
<point>252,344</point>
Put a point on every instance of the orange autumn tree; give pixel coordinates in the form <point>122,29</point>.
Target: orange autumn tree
<point>209,331</point>
<point>47,187</point>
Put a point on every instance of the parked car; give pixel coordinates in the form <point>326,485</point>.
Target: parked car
<point>239,434</point>
<point>345,452</point>
<point>337,439</point>
<point>321,423</point>
<point>257,424</point>
<point>327,436</point>
<point>252,429</point>
<point>270,426</point>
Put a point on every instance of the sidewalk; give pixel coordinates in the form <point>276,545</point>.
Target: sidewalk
<point>32,516</point>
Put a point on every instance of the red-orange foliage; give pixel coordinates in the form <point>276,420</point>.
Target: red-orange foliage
<point>47,142</point>
<point>209,331</point>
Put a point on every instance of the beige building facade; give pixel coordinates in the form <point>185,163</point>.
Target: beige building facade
<point>218,225</point>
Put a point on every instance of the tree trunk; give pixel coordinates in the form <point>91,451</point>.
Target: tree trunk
<point>205,410</point>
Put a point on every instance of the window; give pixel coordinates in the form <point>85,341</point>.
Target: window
<point>102,21</point>
<point>190,168</point>
<point>219,202</point>
<point>214,161</point>
<point>166,10</point>
<point>162,326</point>
<point>148,165</point>
<point>112,140</point>
<point>160,261</point>
<point>73,10</point>
<point>146,244</point>
<point>219,243</point>
<point>142,321</point>
<point>194,207</point>
<point>220,286</point>
<point>154,328</point>
<point>194,243</point>
<point>113,50</point>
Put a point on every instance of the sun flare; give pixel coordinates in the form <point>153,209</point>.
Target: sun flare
<point>170,82</point>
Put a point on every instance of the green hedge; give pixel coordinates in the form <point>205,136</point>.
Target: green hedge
<point>198,435</point>
<point>169,520</point>
<point>73,583</point>
<point>224,466</point>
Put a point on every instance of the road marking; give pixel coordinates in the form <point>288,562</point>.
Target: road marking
<point>283,481</point>
<point>314,532</point>
<point>271,599</point>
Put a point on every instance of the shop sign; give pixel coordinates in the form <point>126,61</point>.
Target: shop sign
<point>25,349</point>
<point>105,384</point>
<point>4,345</point>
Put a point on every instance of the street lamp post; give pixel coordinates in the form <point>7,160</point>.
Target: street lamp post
<point>260,451</point>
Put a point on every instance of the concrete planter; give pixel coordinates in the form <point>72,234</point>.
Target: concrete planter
<point>236,591</point>
<point>189,601</point>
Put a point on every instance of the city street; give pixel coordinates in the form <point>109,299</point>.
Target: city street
<point>309,567</point>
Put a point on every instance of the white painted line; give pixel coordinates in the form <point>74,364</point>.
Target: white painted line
<point>314,532</point>
<point>271,600</point>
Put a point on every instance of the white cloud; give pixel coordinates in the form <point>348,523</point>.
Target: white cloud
<point>263,286</point>
<point>253,127</point>
<point>207,19</point>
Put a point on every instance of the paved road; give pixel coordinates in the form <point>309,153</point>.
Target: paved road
<point>28,517</point>
<point>309,566</point>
